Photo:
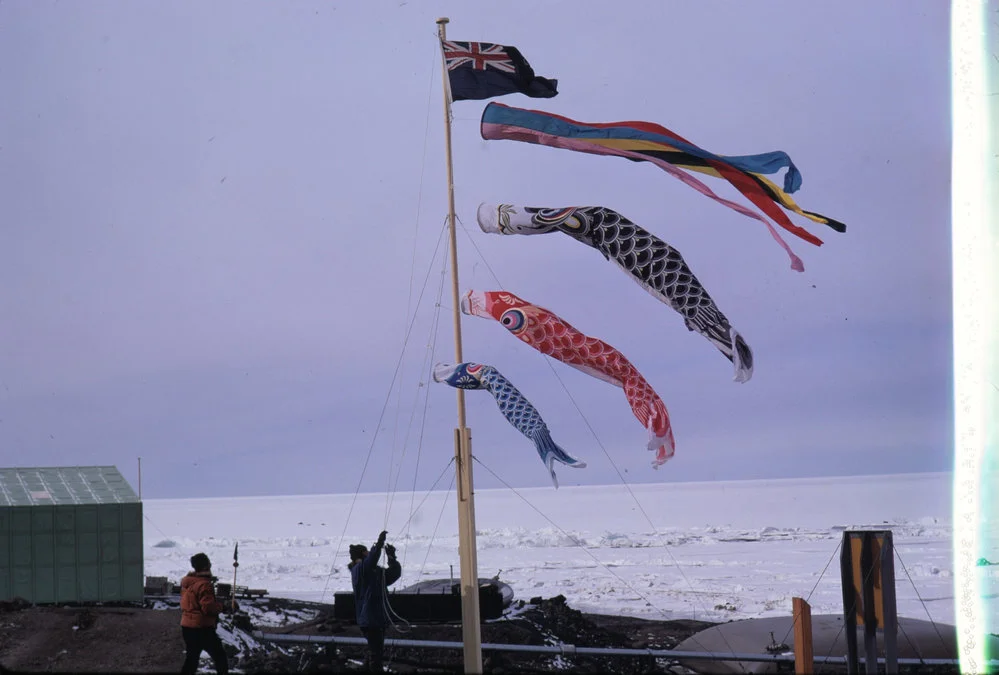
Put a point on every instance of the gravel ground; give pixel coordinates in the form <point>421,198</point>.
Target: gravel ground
<point>147,639</point>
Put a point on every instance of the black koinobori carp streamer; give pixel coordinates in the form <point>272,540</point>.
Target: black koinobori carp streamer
<point>652,263</point>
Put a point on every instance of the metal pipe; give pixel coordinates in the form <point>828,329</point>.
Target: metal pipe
<point>572,650</point>
<point>564,650</point>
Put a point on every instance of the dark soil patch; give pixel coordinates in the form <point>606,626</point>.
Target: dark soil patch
<point>146,640</point>
<point>542,622</point>
<point>94,639</point>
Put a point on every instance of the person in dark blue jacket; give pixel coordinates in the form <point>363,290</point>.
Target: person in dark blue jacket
<point>371,583</point>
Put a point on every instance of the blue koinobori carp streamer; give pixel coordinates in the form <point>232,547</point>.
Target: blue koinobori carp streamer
<point>649,142</point>
<point>517,409</point>
<point>652,263</point>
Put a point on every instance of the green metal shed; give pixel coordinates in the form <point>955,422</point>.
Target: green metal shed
<point>70,534</point>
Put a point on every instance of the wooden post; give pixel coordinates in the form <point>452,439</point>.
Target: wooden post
<point>868,577</point>
<point>849,605</point>
<point>804,662</point>
<point>890,620</point>
<point>867,563</point>
<point>471,629</point>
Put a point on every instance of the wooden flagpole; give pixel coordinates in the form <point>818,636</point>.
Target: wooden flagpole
<point>470,618</point>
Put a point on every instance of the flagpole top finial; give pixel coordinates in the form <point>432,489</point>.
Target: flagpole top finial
<point>443,20</point>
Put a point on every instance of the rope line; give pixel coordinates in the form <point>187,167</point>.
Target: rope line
<point>405,340</point>
<point>922,602</point>
<point>390,490</point>
<point>423,426</point>
<point>374,437</point>
<point>433,535</point>
<point>582,547</point>
<point>548,362</point>
<point>423,168</point>
<point>155,525</point>
<point>412,266</point>
<point>429,492</point>
<point>851,610</point>
<point>794,620</point>
<point>427,354</point>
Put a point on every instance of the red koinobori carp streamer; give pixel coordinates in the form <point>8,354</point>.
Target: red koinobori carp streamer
<point>553,336</point>
<point>648,142</point>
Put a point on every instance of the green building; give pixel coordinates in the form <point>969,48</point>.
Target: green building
<point>70,534</point>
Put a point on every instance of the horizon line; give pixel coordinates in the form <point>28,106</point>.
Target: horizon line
<point>784,479</point>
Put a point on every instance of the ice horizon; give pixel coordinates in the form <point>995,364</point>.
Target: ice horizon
<point>714,551</point>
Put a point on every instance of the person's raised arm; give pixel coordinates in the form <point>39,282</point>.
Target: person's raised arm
<point>372,558</point>
<point>394,570</point>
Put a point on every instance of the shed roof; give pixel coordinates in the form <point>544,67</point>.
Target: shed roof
<point>59,485</point>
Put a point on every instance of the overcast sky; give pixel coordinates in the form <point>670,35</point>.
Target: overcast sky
<point>216,222</point>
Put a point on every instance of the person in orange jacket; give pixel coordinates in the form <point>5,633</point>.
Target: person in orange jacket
<point>200,616</point>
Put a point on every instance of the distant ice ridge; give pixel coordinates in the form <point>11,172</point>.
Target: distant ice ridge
<point>711,551</point>
<point>275,547</point>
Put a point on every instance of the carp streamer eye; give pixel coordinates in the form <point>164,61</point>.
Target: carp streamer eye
<point>513,320</point>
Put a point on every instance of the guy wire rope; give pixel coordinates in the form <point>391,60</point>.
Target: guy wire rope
<point>579,545</point>
<point>416,234</point>
<point>374,438</point>
<point>607,455</point>
<point>424,370</point>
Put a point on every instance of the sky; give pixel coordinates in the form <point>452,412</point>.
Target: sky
<point>220,241</point>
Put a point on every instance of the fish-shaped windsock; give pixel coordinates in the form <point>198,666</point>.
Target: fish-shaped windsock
<point>650,142</point>
<point>552,335</point>
<point>517,409</point>
<point>652,263</point>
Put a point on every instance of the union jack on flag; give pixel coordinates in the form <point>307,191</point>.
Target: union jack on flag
<point>480,55</point>
<point>479,70</point>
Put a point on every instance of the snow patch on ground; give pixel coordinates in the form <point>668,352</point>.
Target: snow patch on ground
<point>709,551</point>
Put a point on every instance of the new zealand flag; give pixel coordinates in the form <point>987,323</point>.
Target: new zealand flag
<point>480,70</point>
